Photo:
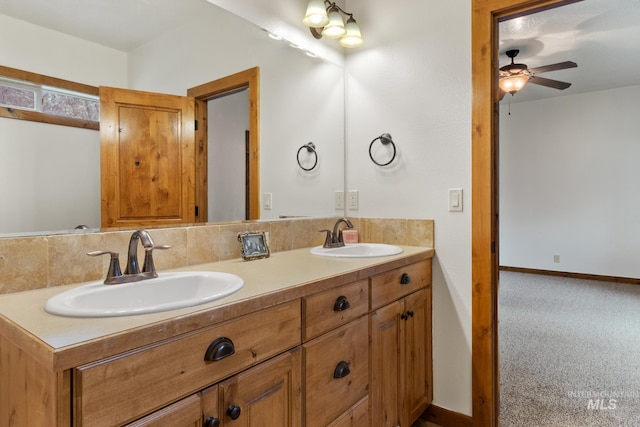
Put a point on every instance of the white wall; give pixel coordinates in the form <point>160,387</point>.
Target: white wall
<point>569,183</point>
<point>227,121</point>
<point>50,174</point>
<point>412,79</point>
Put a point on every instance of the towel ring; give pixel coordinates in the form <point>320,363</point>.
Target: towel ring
<point>385,139</point>
<point>311,148</point>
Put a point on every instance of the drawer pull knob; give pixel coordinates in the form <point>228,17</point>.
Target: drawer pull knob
<point>342,370</point>
<point>341,304</point>
<point>233,412</point>
<point>212,422</point>
<point>405,279</point>
<point>219,349</point>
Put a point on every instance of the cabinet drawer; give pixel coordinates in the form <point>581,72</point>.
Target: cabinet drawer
<point>330,389</point>
<point>356,416</point>
<point>394,284</point>
<point>122,388</point>
<point>329,309</point>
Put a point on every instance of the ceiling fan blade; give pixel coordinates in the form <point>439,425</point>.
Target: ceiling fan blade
<point>556,84</point>
<point>553,67</point>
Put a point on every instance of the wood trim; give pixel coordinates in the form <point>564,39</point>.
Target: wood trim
<point>28,76</point>
<point>249,79</point>
<point>36,116</point>
<point>484,26</point>
<point>583,276</point>
<point>445,417</point>
<point>201,162</point>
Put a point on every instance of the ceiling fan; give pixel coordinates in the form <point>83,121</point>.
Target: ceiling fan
<point>514,76</point>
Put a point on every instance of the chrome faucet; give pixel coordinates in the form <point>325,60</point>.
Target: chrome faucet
<point>132,273</point>
<point>334,239</point>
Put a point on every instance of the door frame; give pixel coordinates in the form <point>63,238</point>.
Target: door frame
<point>486,14</point>
<point>247,79</point>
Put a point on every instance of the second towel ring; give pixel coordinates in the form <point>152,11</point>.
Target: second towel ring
<point>311,148</point>
<point>385,138</point>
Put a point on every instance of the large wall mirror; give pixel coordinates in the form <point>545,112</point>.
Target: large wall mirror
<point>49,174</point>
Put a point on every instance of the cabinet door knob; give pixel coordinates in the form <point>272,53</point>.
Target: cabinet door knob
<point>233,412</point>
<point>405,279</point>
<point>342,370</point>
<point>341,304</point>
<point>212,422</point>
<point>410,313</point>
<point>404,316</point>
<point>219,349</point>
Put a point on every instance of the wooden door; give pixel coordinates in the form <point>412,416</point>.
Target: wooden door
<point>416,377</point>
<point>386,357</point>
<point>147,158</point>
<point>269,394</point>
<point>184,413</point>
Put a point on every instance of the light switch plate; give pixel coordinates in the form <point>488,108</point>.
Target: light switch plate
<point>353,199</point>
<point>268,201</point>
<point>339,200</point>
<point>455,200</point>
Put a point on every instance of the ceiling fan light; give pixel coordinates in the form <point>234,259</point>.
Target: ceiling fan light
<point>316,16</point>
<point>335,28</point>
<point>512,84</point>
<point>352,37</point>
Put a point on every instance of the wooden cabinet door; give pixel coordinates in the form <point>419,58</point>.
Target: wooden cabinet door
<point>386,354</point>
<point>416,376</point>
<point>266,395</point>
<point>147,158</point>
<point>184,413</point>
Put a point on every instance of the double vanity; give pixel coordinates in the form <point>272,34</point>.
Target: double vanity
<point>307,339</point>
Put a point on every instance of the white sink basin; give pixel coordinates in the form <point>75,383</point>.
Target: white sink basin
<point>358,250</point>
<point>168,291</point>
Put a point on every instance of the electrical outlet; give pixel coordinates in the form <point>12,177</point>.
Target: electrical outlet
<point>353,200</point>
<point>339,200</point>
<point>556,259</point>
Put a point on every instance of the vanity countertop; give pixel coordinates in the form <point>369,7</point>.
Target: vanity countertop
<point>64,342</point>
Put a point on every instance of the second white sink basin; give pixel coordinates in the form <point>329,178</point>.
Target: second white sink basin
<point>358,250</point>
<point>168,291</point>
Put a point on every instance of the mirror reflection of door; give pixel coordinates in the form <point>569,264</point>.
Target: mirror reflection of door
<point>147,155</point>
<point>227,128</point>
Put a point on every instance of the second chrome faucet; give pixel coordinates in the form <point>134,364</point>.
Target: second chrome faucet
<point>132,272</point>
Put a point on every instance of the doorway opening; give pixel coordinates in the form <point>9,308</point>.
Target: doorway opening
<point>485,18</point>
<point>240,88</point>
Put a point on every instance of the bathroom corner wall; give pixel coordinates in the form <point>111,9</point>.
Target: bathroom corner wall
<point>44,261</point>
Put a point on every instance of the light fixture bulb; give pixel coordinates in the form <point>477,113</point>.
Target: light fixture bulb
<point>335,28</point>
<point>512,84</point>
<point>352,37</point>
<point>316,16</point>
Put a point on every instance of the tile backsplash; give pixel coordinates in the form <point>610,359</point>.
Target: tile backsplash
<point>44,261</point>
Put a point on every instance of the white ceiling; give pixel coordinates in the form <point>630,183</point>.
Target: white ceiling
<point>120,24</point>
<point>601,36</point>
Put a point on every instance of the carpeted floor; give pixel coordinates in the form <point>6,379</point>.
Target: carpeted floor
<point>569,352</point>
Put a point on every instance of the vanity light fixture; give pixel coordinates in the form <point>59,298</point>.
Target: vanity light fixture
<point>324,19</point>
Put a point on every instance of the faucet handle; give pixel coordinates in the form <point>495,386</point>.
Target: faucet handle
<point>328,239</point>
<point>148,266</point>
<point>114,264</point>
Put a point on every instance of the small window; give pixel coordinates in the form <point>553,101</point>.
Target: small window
<point>35,97</point>
<point>49,100</point>
<point>14,94</point>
